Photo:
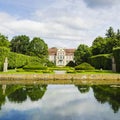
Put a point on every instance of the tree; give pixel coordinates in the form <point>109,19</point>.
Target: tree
<point>108,94</point>
<point>20,44</point>
<point>113,39</point>
<point>38,47</point>
<point>110,33</point>
<point>4,41</point>
<point>82,54</point>
<point>99,46</point>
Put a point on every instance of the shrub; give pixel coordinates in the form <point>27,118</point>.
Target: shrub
<point>71,64</point>
<point>70,71</point>
<point>103,61</point>
<point>32,67</point>
<point>20,70</point>
<point>3,53</point>
<point>1,66</point>
<point>50,64</point>
<point>17,60</point>
<point>116,54</point>
<point>84,66</point>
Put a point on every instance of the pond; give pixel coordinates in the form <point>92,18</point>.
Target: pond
<point>59,102</point>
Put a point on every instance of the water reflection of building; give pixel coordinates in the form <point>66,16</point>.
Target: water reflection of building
<point>61,57</point>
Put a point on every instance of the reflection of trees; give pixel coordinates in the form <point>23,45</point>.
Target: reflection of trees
<point>108,94</point>
<point>19,93</point>
<point>83,88</point>
<point>18,96</point>
<point>36,92</point>
<point>2,97</point>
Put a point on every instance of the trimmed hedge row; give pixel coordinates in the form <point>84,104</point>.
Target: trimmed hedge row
<point>16,60</point>
<point>31,67</point>
<point>84,66</point>
<point>3,53</point>
<point>116,54</point>
<point>102,61</point>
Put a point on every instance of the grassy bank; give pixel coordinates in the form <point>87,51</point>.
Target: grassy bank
<point>60,78</point>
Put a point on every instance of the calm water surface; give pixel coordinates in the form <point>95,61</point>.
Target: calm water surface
<point>59,102</point>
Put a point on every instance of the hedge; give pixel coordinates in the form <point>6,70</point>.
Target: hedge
<point>102,61</point>
<point>116,54</point>
<point>17,60</point>
<point>3,53</point>
<point>34,67</point>
<point>84,66</point>
<point>1,66</point>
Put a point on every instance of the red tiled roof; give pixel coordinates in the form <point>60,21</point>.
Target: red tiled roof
<point>53,51</point>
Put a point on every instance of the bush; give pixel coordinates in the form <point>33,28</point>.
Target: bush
<point>1,66</point>
<point>103,61</point>
<point>71,64</point>
<point>60,68</point>
<point>84,66</point>
<point>32,67</point>
<point>3,53</point>
<point>20,70</point>
<point>17,60</point>
<point>70,71</point>
<point>50,64</point>
<point>116,54</point>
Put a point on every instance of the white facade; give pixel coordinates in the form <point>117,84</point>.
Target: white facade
<point>61,56</point>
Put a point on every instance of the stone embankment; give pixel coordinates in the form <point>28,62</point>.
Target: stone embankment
<point>61,78</point>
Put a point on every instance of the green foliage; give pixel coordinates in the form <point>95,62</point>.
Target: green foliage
<point>83,88</point>
<point>17,60</point>
<point>82,54</point>
<point>4,41</point>
<point>1,66</point>
<point>84,66</point>
<point>20,44</point>
<point>38,47</point>
<point>71,64</point>
<point>102,61</point>
<point>50,64</point>
<point>110,33</point>
<point>116,54</point>
<point>99,46</point>
<point>70,71</point>
<point>33,67</point>
<point>108,94</point>
<point>60,68</point>
<point>105,45</point>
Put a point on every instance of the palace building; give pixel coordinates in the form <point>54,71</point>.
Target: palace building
<point>61,57</point>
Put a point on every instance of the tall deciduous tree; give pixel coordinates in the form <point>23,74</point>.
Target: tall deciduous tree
<point>4,42</point>
<point>82,54</point>
<point>38,47</point>
<point>20,44</point>
<point>110,33</point>
<point>113,39</point>
<point>99,46</point>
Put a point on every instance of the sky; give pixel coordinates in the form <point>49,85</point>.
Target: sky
<point>60,23</point>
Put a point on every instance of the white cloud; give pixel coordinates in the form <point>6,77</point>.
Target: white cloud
<point>101,3</point>
<point>62,23</point>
